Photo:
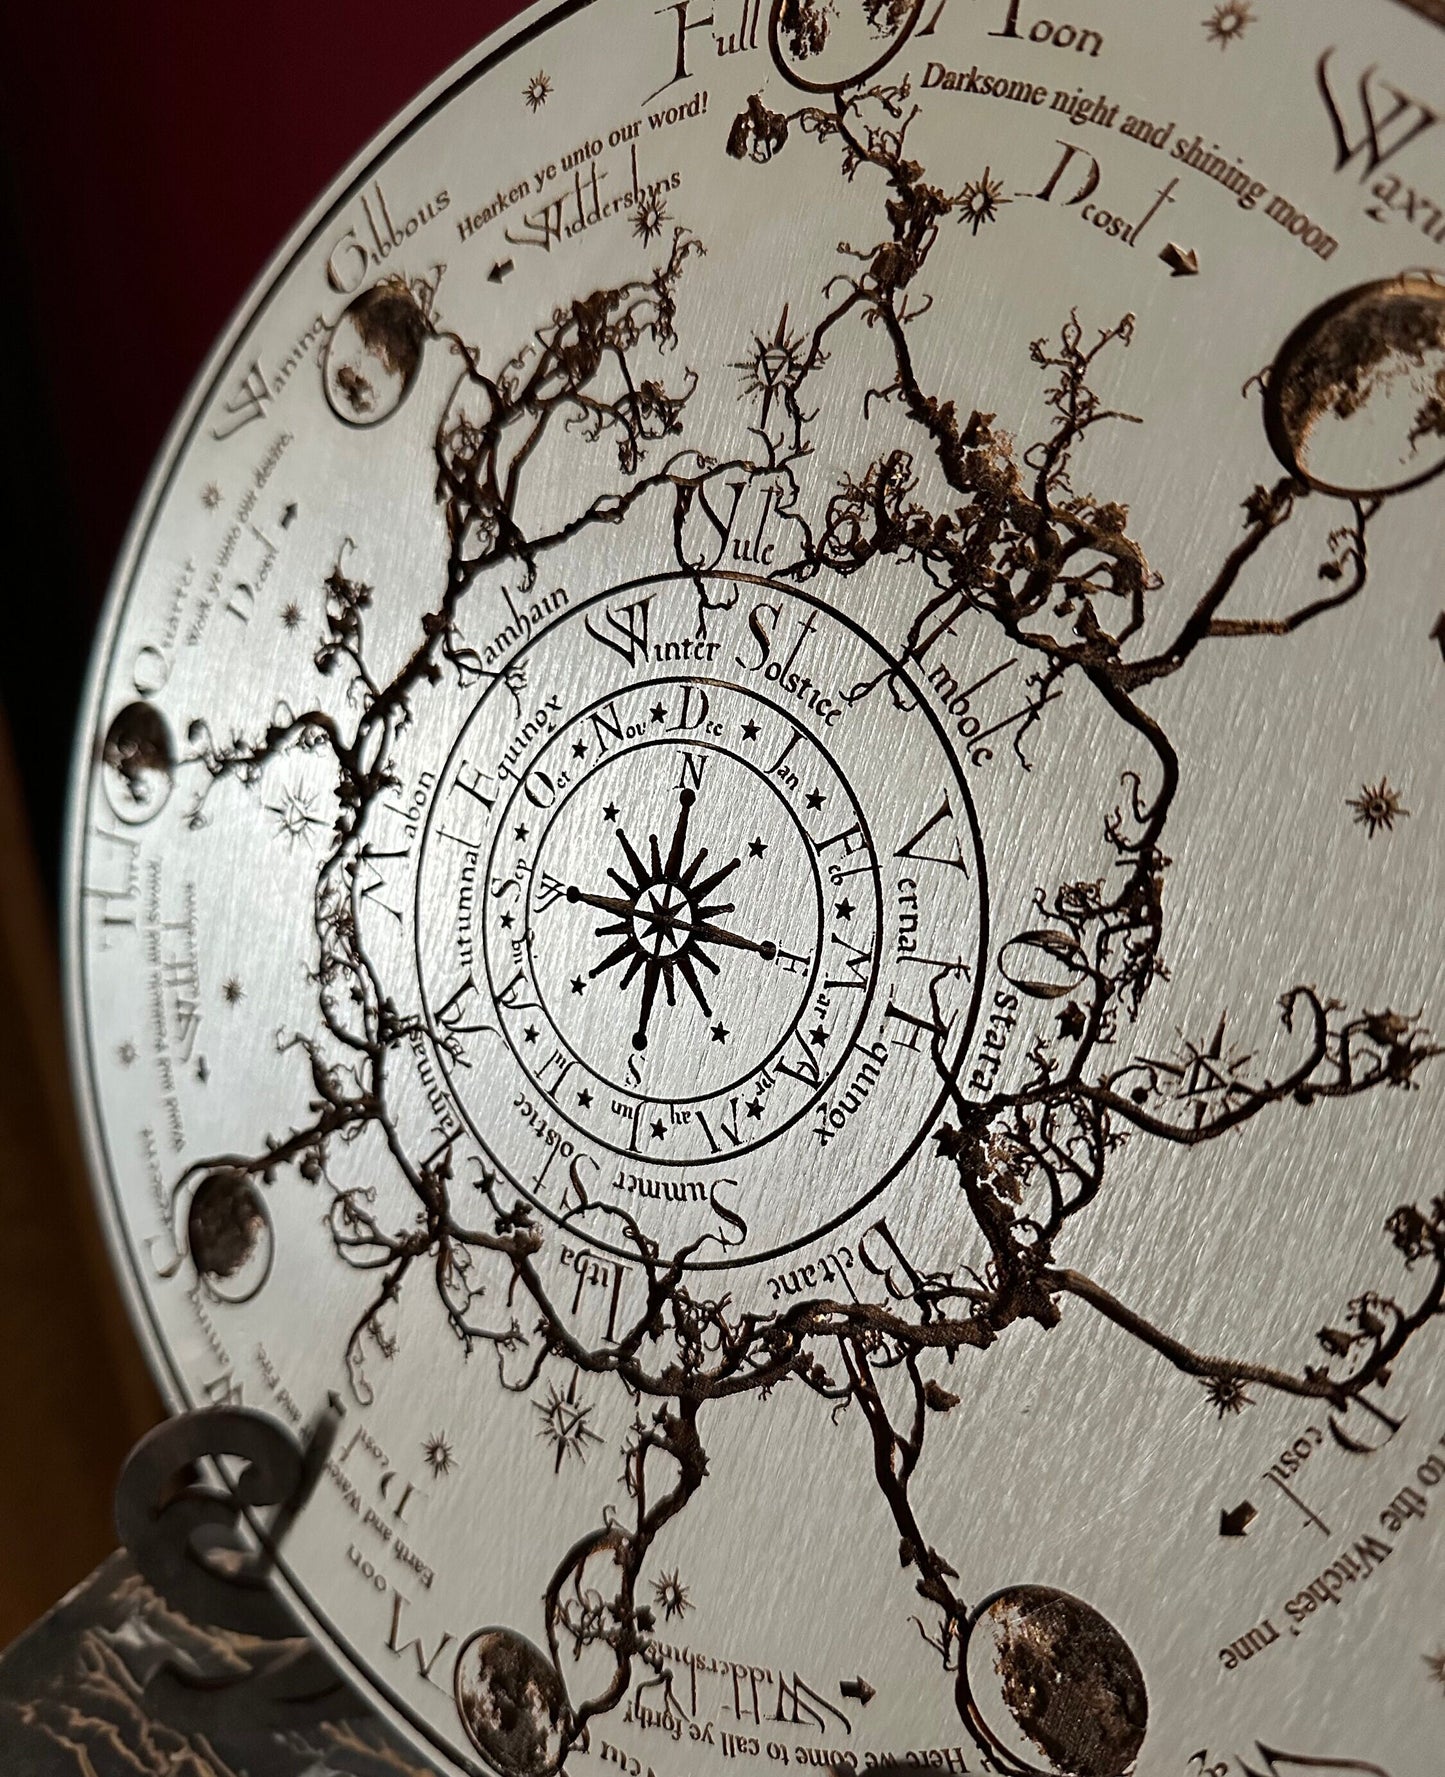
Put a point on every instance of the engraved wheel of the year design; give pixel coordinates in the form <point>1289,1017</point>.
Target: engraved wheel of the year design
<point>683,930</point>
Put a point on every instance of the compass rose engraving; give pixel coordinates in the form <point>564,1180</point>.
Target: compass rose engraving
<point>696,927</point>
<point>665,922</point>
<point>716,921</point>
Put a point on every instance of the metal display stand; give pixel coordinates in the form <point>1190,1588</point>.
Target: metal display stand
<point>175,1658</point>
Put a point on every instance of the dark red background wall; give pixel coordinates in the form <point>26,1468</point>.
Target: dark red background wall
<point>152,155</point>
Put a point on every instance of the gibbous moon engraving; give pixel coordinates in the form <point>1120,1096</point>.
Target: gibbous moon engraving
<point>1356,398</point>
<point>138,763</point>
<point>374,353</point>
<point>229,1235</point>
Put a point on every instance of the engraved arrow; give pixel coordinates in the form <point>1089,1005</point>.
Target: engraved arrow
<point>858,1687</point>
<point>1183,262</point>
<point>1438,633</point>
<point>673,922</point>
<point>499,270</point>
<point>1238,1520</point>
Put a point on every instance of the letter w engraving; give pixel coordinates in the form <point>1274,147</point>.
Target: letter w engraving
<point>1381,131</point>
<point>626,629</point>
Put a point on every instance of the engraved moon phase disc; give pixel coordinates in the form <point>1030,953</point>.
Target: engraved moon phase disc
<point>756,869</point>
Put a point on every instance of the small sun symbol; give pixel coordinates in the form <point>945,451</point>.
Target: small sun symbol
<point>232,992</point>
<point>564,1424</point>
<point>1377,807</point>
<point>650,215</point>
<point>1227,1394</point>
<point>1228,22</point>
<point>537,91</point>
<point>125,1054</point>
<point>673,1598</point>
<point>980,199</point>
<point>210,496</point>
<point>438,1454</point>
<point>1435,1665</point>
<point>295,816</point>
<point>291,616</point>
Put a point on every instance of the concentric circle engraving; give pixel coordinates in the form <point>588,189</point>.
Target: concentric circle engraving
<point>694,923</point>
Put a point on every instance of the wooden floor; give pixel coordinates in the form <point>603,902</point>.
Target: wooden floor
<point>74,1393</point>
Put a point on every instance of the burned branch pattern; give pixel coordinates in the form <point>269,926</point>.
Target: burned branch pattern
<point>1019,546</point>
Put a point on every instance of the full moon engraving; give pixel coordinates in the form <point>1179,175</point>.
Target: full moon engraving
<point>510,1701</point>
<point>1053,1686</point>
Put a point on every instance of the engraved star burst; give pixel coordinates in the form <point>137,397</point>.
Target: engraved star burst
<point>673,1598</point>
<point>125,1054</point>
<point>437,1454</point>
<point>1208,1077</point>
<point>1228,22</point>
<point>773,370</point>
<point>663,920</point>
<point>291,616</point>
<point>1378,807</point>
<point>232,992</point>
<point>1435,1666</point>
<point>649,217</point>
<point>210,496</point>
<point>564,1424</point>
<point>981,199</point>
<point>295,816</point>
<point>537,91</point>
<point>1227,1394</point>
